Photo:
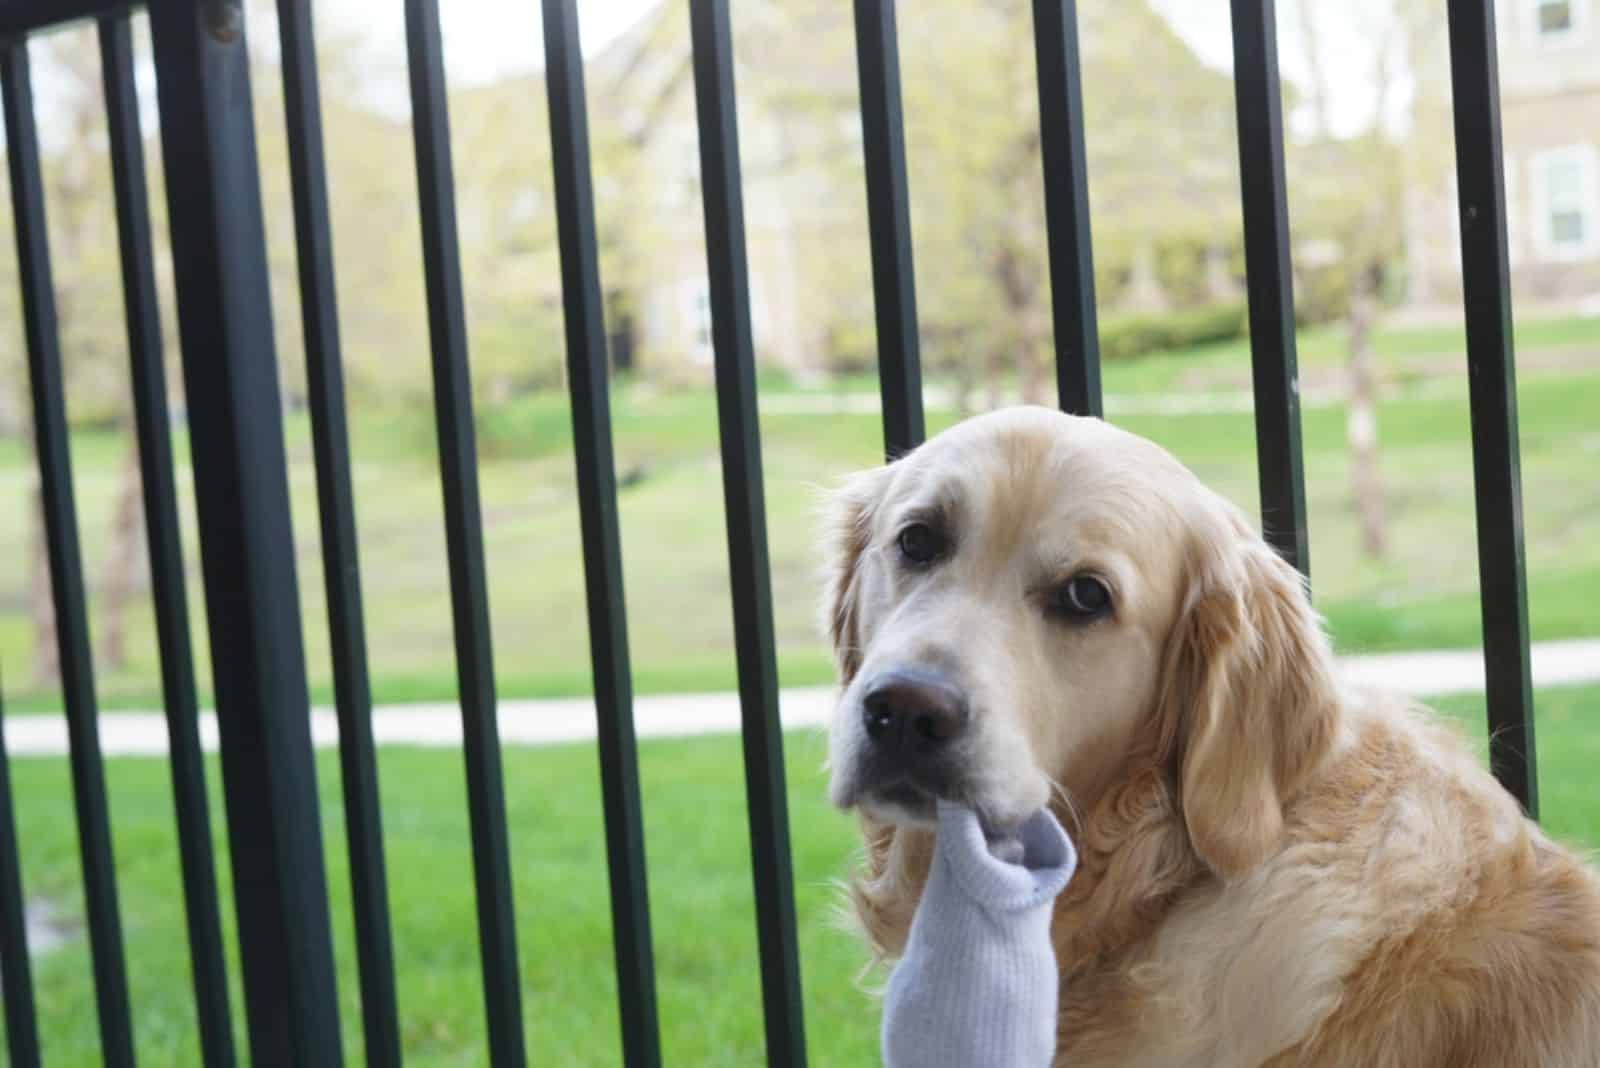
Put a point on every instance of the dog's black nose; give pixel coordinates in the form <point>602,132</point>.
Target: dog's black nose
<point>913,711</point>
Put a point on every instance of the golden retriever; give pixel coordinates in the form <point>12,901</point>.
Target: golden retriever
<point>1035,608</point>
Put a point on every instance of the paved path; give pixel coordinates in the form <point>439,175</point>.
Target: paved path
<point>544,722</point>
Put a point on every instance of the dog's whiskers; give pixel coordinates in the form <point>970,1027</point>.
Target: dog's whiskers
<point>1068,805</point>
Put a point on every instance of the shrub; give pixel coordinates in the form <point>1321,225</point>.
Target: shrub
<point>1126,337</point>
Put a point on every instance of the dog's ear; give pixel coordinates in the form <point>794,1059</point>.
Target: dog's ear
<point>1248,700</point>
<point>848,532</point>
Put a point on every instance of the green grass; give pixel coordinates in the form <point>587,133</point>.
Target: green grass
<point>1567,743</point>
<point>700,894</point>
<point>1423,594</point>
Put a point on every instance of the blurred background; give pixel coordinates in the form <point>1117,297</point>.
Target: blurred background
<point>1383,386</point>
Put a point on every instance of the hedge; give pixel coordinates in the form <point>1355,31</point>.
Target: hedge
<point>1126,337</point>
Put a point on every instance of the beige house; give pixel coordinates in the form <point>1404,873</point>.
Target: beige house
<point>644,81</point>
<point>1550,103</point>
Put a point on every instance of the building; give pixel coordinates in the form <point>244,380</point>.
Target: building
<point>1550,103</point>
<point>642,89</point>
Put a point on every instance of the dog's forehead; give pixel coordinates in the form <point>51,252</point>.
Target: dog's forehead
<point>1034,464</point>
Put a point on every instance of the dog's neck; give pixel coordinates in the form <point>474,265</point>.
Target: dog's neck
<point>1135,858</point>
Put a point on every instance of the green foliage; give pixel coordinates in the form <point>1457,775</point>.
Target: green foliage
<point>1161,163</point>
<point>1322,296</point>
<point>82,238</point>
<point>1129,336</point>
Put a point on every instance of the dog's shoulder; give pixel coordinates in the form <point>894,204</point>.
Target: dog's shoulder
<point>1474,934</point>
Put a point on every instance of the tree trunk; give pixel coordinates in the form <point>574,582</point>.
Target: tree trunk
<point>46,654</point>
<point>1145,293</point>
<point>1220,285</point>
<point>1033,369</point>
<point>1361,421</point>
<point>1030,363</point>
<point>994,373</point>
<point>1025,319</point>
<point>122,568</point>
<point>964,384</point>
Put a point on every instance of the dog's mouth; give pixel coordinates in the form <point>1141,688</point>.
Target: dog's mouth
<point>897,796</point>
<point>890,790</point>
<point>898,802</point>
<point>910,798</point>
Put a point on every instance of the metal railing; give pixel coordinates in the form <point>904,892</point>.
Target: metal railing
<point>229,365</point>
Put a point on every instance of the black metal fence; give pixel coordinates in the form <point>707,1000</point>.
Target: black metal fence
<point>230,373</point>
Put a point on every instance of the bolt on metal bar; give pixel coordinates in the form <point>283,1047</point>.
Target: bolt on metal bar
<point>163,535</point>
<point>66,566</point>
<point>602,552</point>
<point>1066,202</point>
<point>469,595</point>
<point>246,541</point>
<point>1492,396</point>
<point>745,508</point>
<point>330,443</point>
<point>894,288</point>
<point>16,971</point>
<point>1269,281</point>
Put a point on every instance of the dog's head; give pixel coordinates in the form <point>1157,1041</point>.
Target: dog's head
<point>1028,598</point>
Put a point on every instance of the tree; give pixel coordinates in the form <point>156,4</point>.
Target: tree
<point>83,246</point>
<point>1354,189</point>
<point>76,172</point>
<point>1162,173</point>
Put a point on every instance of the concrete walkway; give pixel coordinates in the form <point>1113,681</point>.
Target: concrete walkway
<point>545,722</point>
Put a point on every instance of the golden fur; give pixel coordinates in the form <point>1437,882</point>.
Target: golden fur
<point>1274,870</point>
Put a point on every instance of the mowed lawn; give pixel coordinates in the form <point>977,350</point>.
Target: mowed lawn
<point>700,887</point>
<point>1422,594</point>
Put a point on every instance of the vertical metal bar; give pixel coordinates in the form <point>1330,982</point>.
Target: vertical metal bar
<point>745,507</point>
<point>469,595</point>
<point>894,288</point>
<point>246,541</point>
<point>1492,386</point>
<point>1066,205</point>
<point>330,443</point>
<point>602,552</point>
<point>66,568</point>
<point>162,531</point>
<point>1259,101</point>
<point>16,972</point>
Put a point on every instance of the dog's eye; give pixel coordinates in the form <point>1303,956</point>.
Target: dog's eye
<point>921,544</point>
<point>1081,598</point>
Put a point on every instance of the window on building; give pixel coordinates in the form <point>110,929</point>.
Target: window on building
<point>1516,231</point>
<point>1568,213</point>
<point>679,155</point>
<point>700,323</point>
<point>1554,17</point>
<point>689,162</point>
<point>524,206</point>
<point>1557,21</point>
<point>702,346</point>
<point>849,125</point>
